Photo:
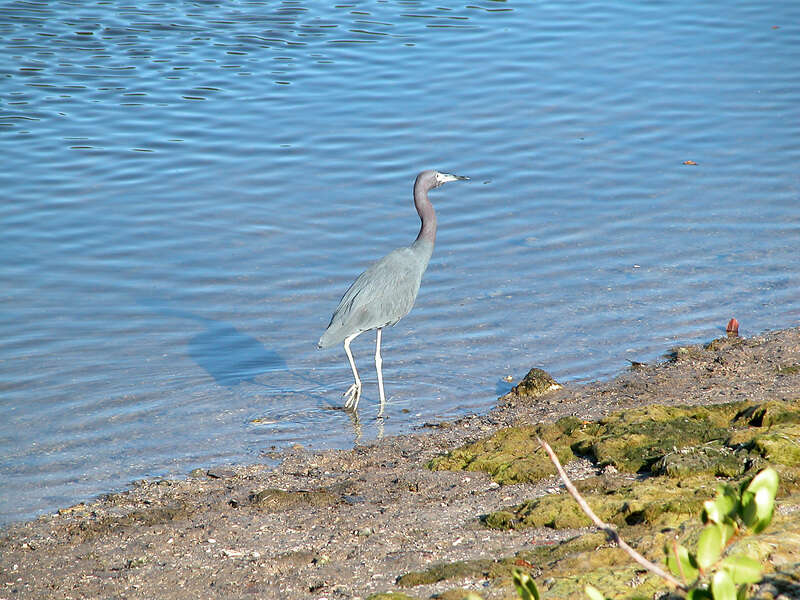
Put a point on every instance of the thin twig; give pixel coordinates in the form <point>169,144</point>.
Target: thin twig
<point>609,529</point>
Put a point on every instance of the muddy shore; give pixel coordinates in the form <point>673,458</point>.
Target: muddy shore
<point>347,524</point>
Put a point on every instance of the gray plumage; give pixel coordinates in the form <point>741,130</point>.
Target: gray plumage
<point>382,295</point>
<point>386,291</point>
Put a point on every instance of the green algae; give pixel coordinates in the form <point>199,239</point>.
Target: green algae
<point>654,501</point>
<point>632,441</point>
<point>390,596</point>
<point>512,454</point>
<point>669,461</point>
<point>481,569</point>
<point>626,583</point>
<point>789,370</point>
<point>562,570</point>
<point>89,528</point>
<point>684,449</point>
<point>553,565</point>
<point>535,384</point>
<point>713,458</point>
<point>501,569</point>
<point>768,414</point>
<point>723,440</point>
<point>454,594</point>
<point>781,446</point>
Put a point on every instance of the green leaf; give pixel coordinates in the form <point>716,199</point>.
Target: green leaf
<point>710,512</point>
<point>742,569</point>
<point>526,587</point>
<point>723,507</point>
<point>680,562</point>
<point>722,586</point>
<point>741,593</point>
<point>698,594</point>
<point>767,479</point>
<point>709,546</point>
<point>729,529</point>
<point>593,593</point>
<point>758,500</point>
<point>748,510</point>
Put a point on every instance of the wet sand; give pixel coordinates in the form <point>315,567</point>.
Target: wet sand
<point>347,524</point>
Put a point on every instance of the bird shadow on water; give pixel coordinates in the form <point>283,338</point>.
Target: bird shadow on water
<point>229,356</point>
<point>233,358</point>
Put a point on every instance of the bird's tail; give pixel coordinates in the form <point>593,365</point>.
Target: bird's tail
<point>327,339</point>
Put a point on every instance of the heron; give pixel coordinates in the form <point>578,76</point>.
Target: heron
<point>386,291</point>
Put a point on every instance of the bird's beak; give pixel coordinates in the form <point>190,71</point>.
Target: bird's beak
<point>450,177</point>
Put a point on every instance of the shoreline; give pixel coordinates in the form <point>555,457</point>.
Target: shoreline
<point>348,523</point>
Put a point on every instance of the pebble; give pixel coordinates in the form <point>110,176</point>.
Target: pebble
<point>221,473</point>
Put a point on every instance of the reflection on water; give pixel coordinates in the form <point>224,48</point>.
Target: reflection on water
<point>190,186</point>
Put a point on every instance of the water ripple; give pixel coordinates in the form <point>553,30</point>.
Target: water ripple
<point>190,188</point>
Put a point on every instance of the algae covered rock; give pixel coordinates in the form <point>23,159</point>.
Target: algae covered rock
<point>556,512</point>
<point>455,594</point>
<point>724,440</point>
<point>512,454</point>
<point>390,596</point>
<point>536,383</point>
<point>633,440</point>
<point>669,460</point>
<point>653,501</point>
<point>713,458</point>
<point>454,570</point>
<point>781,445</point>
<point>768,414</point>
<point>789,370</point>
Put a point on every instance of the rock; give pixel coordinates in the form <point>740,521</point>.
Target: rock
<point>221,473</point>
<point>536,383</point>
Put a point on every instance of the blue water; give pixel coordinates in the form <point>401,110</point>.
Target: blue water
<point>188,189</point>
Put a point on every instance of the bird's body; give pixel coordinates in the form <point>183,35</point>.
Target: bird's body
<point>364,307</point>
<point>386,291</point>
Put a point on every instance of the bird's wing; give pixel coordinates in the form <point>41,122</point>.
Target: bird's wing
<point>381,295</point>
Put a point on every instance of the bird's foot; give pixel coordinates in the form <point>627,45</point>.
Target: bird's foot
<point>352,396</point>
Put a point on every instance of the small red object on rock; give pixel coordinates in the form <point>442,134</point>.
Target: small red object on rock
<point>733,328</point>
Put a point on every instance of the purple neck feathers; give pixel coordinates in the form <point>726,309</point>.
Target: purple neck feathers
<point>426,213</point>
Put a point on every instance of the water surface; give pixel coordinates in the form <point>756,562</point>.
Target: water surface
<point>189,188</point>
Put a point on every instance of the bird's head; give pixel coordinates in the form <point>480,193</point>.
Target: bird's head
<point>433,179</point>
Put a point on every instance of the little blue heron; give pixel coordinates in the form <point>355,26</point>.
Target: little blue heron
<point>385,292</point>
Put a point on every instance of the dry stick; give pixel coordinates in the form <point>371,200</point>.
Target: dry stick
<point>609,529</point>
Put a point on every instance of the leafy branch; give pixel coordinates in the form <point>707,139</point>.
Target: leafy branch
<point>610,530</point>
<point>709,573</point>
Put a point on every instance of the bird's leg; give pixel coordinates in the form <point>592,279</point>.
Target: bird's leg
<point>353,393</point>
<point>378,364</point>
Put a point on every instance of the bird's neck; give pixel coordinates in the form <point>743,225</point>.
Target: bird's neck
<point>427,215</point>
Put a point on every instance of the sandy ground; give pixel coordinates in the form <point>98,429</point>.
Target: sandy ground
<point>346,524</point>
